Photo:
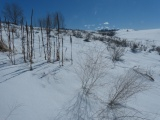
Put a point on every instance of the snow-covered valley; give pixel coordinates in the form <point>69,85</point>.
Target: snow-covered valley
<point>50,89</point>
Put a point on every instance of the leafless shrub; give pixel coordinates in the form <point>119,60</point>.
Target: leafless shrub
<point>77,34</point>
<point>158,50</point>
<point>111,33</point>
<point>12,110</point>
<point>90,71</point>
<point>116,52</point>
<point>134,48</point>
<point>81,107</point>
<point>125,88</point>
<point>144,73</point>
<point>117,41</point>
<point>3,46</point>
<point>88,36</point>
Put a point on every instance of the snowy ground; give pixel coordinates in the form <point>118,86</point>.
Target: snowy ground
<point>41,94</point>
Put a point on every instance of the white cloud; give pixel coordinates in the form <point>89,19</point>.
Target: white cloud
<point>106,23</point>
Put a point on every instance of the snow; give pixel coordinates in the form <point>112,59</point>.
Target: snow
<point>149,37</point>
<point>41,94</point>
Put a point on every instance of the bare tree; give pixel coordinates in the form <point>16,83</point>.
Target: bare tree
<point>62,52</point>
<point>13,47</point>
<point>71,49</point>
<point>3,46</point>
<point>13,13</point>
<point>23,44</point>
<point>39,45</point>
<point>58,21</point>
<point>31,50</point>
<point>42,25</point>
<point>0,30</point>
<point>28,45</point>
<point>9,41</point>
<point>58,24</point>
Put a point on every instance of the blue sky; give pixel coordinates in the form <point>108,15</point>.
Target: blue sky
<point>92,14</point>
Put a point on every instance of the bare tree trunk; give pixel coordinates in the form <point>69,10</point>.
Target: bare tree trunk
<point>31,55</point>
<point>13,47</point>
<point>43,41</point>
<point>0,30</point>
<point>47,46</point>
<point>57,17</point>
<point>28,47</point>
<point>22,24</point>
<point>62,51</point>
<point>33,42</point>
<point>57,54</point>
<point>71,49</point>
<point>9,43</point>
<point>39,46</point>
<point>54,52</point>
<point>59,45</point>
<point>23,44</point>
<point>48,30</point>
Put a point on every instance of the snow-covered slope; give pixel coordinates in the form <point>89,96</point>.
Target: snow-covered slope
<point>40,94</point>
<point>149,37</point>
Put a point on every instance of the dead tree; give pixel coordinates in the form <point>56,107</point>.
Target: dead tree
<point>31,52</point>
<point>3,46</point>
<point>9,42</point>
<point>13,51</point>
<point>54,51</point>
<point>58,23</point>
<point>48,30</point>
<point>13,13</point>
<point>71,49</point>
<point>62,51</point>
<point>22,22</point>
<point>23,44</point>
<point>40,23</point>
<point>39,45</point>
<point>28,46</point>
<point>33,43</point>
<point>0,30</point>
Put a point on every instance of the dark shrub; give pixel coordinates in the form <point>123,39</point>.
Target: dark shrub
<point>158,50</point>
<point>134,47</point>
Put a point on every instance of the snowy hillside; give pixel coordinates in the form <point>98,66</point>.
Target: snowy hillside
<point>150,37</point>
<point>52,91</point>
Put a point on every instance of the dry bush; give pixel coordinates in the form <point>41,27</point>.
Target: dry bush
<point>116,52</point>
<point>90,71</point>
<point>122,91</point>
<point>111,33</point>
<point>82,107</point>
<point>158,50</point>
<point>3,47</point>
<point>77,34</point>
<point>134,48</point>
